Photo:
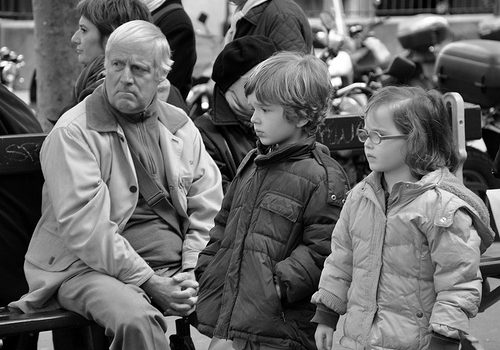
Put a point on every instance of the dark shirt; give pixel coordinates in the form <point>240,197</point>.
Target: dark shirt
<point>155,240</point>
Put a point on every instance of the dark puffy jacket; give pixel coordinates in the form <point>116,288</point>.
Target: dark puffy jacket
<point>275,226</point>
<point>282,21</point>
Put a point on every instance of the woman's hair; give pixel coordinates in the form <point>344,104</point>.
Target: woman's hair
<point>144,34</point>
<point>299,83</point>
<point>107,15</point>
<point>422,115</point>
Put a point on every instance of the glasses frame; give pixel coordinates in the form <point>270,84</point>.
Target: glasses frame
<point>380,137</point>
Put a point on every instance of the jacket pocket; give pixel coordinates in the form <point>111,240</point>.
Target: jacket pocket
<point>282,206</point>
<point>48,252</point>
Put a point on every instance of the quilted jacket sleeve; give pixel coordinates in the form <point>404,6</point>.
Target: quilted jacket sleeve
<point>336,276</point>
<point>457,280</point>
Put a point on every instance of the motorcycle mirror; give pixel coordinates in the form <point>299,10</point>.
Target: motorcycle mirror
<point>327,20</point>
<point>401,68</point>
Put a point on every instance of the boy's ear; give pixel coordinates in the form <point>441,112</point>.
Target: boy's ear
<point>301,123</point>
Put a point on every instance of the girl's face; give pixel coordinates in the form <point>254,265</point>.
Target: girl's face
<point>389,155</point>
<point>88,41</point>
<point>270,124</point>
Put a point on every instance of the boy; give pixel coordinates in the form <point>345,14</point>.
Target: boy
<point>226,130</point>
<point>272,235</point>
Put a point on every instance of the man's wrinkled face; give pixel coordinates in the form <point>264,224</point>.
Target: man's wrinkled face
<point>131,81</point>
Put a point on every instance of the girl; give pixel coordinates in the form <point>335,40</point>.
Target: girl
<point>404,267</point>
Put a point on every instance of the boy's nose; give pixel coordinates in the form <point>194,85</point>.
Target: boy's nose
<point>253,119</point>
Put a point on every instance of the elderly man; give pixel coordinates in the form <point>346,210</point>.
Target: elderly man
<point>103,248</point>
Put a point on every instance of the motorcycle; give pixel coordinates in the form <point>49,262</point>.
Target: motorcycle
<point>471,68</point>
<point>351,52</point>
<point>10,65</point>
<point>208,46</point>
<point>422,37</point>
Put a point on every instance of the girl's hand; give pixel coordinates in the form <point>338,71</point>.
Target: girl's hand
<point>324,337</point>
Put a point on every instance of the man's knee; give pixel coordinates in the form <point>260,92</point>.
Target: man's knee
<point>138,318</point>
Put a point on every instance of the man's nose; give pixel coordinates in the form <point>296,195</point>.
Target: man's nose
<point>126,76</point>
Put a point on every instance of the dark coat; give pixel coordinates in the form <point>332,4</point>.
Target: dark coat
<point>178,28</point>
<point>227,138</point>
<point>20,202</point>
<point>282,21</point>
<point>275,226</point>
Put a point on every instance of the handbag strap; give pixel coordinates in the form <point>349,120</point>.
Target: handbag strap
<point>154,195</point>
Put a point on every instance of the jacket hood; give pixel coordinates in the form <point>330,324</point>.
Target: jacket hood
<point>444,180</point>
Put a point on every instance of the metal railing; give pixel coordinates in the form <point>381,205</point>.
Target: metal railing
<point>368,8</point>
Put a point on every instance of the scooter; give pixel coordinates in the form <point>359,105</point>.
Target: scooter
<point>422,37</point>
<point>471,68</point>
<point>10,65</point>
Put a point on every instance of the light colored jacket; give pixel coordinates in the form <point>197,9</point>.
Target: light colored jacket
<point>398,273</point>
<point>91,190</point>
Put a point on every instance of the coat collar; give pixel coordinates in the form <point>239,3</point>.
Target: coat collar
<point>102,117</point>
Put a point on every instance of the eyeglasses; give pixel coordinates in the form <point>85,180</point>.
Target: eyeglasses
<point>375,137</point>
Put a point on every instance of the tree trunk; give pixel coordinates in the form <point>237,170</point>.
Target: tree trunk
<point>56,62</point>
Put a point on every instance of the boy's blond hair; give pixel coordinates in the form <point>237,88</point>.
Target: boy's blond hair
<point>299,83</point>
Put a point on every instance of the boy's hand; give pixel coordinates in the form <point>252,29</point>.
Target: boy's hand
<point>324,337</point>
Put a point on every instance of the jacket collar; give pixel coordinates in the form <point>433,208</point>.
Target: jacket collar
<point>222,115</point>
<point>296,151</point>
<point>254,13</point>
<point>102,117</point>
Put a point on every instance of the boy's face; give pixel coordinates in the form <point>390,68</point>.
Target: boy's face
<point>271,126</point>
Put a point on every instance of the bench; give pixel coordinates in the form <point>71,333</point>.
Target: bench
<point>20,154</point>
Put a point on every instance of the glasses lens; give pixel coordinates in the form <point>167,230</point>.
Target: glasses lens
<point>362,135</point>
<point>375,137</point>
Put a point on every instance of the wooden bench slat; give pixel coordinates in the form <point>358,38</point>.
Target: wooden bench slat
<point>12,323</point>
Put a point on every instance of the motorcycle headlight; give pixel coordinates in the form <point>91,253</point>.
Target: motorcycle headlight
<point>9,73</point>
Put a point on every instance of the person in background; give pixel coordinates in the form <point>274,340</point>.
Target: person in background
<point>226,130</point>
<point>104,248</point>
<point>270,239</point>
<point>404,267</point>
<point>282,21</point>
<point>174,22</point>
<point>20,201</point>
